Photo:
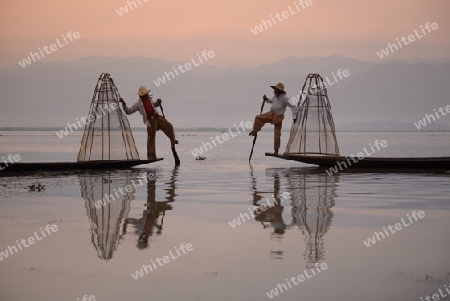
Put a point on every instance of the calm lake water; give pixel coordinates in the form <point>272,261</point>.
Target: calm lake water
<point>324,219</point>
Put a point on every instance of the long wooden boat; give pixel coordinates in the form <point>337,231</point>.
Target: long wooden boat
<point>65,166</point>
<point>342,162</point>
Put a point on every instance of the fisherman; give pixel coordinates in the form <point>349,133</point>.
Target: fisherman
<point>275,116</point>
<point>152,120</point>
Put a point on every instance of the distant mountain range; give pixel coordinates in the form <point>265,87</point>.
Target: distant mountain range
<point>54,94</point>
<point>377,126</point>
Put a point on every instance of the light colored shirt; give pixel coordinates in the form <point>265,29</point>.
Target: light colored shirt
<point>138,106</point>
<point>279,104</point>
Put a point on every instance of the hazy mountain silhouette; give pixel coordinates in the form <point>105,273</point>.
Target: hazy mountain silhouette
<point>53,94</point>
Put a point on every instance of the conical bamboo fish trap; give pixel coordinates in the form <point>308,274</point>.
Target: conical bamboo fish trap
<point>107,134</point>
<point>313,133</point>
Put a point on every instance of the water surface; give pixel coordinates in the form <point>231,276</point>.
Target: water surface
<point>324,219</point>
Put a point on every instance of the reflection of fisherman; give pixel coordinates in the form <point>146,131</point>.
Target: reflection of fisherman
<point>272,214</point>
<point>155,209</point>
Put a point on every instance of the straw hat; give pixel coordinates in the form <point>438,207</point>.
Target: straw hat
<point>279,86</point>
<point>142,91</point>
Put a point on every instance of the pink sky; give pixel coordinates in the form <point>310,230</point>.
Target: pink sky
<point>177,30</point>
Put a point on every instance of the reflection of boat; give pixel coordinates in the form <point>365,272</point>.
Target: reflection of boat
<point>312,197</point>
<point>56,166</point>
<point>370,162</point>
<point>117,192</point>
<point>313,137</point>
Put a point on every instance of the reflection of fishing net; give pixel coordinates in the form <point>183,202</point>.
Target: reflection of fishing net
<point>313,132</point>
<point>313,197</point>
<point>106,220</point>
<point>107,134</point>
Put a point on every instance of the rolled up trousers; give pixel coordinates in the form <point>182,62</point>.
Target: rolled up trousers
<point>276,120</point>
<point>158,123</point>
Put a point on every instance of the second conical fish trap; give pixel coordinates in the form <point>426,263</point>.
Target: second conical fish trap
<point>313,133</point>
<point>107,134</point>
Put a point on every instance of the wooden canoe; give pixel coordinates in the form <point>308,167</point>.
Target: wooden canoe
<point>63,166</point>
<point>369,162</point>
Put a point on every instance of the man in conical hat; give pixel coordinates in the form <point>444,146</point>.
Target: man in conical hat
<point>152,119</point>
<point>275,116</point>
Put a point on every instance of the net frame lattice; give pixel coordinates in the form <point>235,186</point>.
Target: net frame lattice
<point>107,133</point>
<point>313,133</point>
<point>106,209</point>
<point>313,199</point>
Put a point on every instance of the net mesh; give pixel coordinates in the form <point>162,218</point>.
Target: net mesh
<point>313,132</point>
<point>107,134</point>
<point>107,208</point>
<point>313,198</point>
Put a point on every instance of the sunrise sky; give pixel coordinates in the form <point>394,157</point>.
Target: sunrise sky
<point>177,30</point>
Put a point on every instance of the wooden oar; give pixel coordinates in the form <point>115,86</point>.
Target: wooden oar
<point>174,152</point>
<point>161,107</point>
<point>256,134</point>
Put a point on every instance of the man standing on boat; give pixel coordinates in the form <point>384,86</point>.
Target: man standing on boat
<point>152,120</point>
<point>275,116</point>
